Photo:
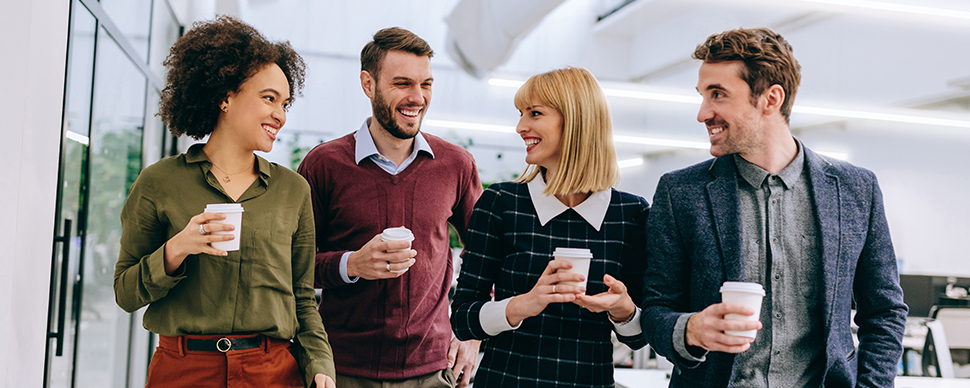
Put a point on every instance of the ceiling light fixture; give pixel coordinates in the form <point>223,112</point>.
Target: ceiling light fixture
<point>629,162</point>
<point>904,8</point>
<point>903,115</point>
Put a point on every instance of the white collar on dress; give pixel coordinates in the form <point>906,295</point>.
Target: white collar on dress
<point>593,209</point>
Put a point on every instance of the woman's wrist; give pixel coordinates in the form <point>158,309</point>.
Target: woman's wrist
<point>624,314</point>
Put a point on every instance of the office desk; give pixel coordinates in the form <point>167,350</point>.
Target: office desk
<point>652,378</point>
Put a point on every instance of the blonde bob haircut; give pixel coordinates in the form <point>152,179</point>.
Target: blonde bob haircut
<point>587,158</point>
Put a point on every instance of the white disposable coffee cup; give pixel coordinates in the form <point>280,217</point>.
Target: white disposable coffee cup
<point>233,212</point>
<point>580,258</point>
<point>748,294</point>
<point>397,234</point>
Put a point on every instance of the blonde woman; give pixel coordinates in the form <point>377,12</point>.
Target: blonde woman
<point>540,331</point>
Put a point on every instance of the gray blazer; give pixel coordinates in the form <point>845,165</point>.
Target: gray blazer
<point>694,244</point>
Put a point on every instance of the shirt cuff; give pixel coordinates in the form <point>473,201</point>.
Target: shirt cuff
<point>492,317</point>
<point>680,340</point>
<point>631,327</point>
<point>343,269</point>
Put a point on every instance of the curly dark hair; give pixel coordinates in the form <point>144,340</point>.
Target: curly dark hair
<point>767,57</point>
<point>211,60</point>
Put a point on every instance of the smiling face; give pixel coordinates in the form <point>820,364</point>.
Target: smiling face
<point>734,124</point>
<point>258,111</point>
<point>401,94</point>
<point>541,128</point>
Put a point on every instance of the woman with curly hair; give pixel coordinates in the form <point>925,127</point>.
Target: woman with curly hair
<point>544,328</point>
<point>243,317</point>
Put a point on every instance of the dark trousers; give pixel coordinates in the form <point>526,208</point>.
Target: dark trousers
<point>270,365</point>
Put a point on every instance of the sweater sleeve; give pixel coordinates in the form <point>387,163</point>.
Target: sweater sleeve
<point>326,263</point>
<point>480,266</point>
<point>470,189</point>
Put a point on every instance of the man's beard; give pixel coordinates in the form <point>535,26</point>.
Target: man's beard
<point>384,115</point>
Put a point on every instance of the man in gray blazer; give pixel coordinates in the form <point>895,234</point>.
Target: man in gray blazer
<point>768,210</point>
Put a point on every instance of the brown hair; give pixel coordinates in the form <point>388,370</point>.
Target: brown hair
<point>767,58</point>
<point>587,158</point>
<point>211,60</point>
<point>392,38</point>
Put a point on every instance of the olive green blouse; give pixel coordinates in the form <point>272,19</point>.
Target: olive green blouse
<point>264,287</point>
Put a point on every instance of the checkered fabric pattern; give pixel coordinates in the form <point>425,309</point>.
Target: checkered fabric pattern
<point>565,345</point>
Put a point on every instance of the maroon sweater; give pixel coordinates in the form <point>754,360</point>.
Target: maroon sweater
<point>395,328</point>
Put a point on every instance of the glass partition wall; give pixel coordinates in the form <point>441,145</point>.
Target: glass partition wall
<point>109,134</point>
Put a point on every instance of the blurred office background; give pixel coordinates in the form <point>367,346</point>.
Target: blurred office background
<point>885,85</point>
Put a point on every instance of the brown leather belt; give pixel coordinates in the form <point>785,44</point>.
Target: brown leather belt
<point>223,344</point>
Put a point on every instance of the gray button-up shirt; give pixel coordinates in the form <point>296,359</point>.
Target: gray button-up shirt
<point>782,252</point>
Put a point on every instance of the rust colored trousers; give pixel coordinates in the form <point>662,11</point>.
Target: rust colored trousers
<point>270,365</point>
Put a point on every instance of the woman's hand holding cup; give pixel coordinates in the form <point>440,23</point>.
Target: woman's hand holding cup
<point>550,288</point>
<point>192,241</point>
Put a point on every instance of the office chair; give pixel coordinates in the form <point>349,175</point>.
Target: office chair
<point>948,334</point>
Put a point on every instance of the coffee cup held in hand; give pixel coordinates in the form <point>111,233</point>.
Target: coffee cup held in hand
<point>580,258</point>
<point>233,212</point>
<point>748,294</point>
<point>397,234</point>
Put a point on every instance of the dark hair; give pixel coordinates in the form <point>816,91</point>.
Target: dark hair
<point>211,60</point>
<point>767,58</point>
<point>393,38</point>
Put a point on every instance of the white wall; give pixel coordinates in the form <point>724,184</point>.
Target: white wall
<point>34,43</point>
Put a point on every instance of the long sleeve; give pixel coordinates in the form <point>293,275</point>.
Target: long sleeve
<point>326,262</point>
<point>664,292</point>
<point>314,353</point>
<point>881,315</point>
<point>480,266</point>
<point>140,276</point>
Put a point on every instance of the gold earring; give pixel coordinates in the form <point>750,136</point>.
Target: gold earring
<point>225,108</point>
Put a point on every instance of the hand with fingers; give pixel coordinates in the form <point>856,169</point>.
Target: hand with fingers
<point>706,328</point>
<point>195,239</point>
<point>615,301</point>
<point>462,356</point>
<point>381,259</point>
<point>548,289</point>
<point>321,380</point>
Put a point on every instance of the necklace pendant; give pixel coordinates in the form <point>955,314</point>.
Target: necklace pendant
<point>226,179</point>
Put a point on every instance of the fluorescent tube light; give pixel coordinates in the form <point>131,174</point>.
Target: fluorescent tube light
<point>904,8</point>
<point>910,116</point>
<point>78,137</point>
<point>629,162</point>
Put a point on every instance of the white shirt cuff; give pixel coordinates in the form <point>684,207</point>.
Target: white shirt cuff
<point>343,269</point>
<point>492,317</point>
<point>631,327</point>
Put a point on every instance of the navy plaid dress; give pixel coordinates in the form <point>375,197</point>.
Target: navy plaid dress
<point>565,345</point>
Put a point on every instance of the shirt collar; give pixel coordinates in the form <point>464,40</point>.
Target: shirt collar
<point>366,147</point>
<point>593,209</point>
<point>755,175</point>
<point>195,155</point>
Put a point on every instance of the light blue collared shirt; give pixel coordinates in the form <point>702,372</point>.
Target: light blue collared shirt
<point>366,148</point>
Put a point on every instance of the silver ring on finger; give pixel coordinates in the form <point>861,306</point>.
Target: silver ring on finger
<point>553,288</point>
<point>202,230</point>
<point>388,266</point>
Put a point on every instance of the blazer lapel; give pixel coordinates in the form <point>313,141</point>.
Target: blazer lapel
<point>825,195</point>
<point>722,193</point>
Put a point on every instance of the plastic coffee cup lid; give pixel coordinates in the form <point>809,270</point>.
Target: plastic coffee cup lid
<point>575,253</point>
<point>223,208</point>
<point>753,288</point>
<point>397,234</point>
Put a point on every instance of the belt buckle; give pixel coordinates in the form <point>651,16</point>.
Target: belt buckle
<point>221,341</point>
